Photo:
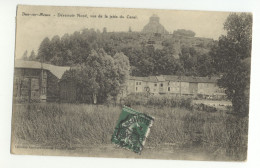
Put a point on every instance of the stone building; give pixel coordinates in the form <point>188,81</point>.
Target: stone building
<point>154,26</point>
<point>36,82</point>
<point>169,84</point>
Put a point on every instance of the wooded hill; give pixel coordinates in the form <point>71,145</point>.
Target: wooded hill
<point>148,53</point>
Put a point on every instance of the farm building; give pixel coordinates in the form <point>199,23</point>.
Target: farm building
<point>169,84</point>
<point>36,82</point>
<point>40,82</point>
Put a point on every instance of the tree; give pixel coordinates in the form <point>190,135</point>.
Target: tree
<point>231,59</point>
<point>183,32</point>
<point>44,51</point>
<point>25,56</point>
<point>189,59</point>
<point>164,62</point>
<point>204,66</point>
<point>130,29</point>
<point>122,66</point>
<point>100,77</point>
<point>104,30</point>
<point>32,56</point>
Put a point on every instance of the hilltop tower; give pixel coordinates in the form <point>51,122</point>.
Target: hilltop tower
<point>154,26</point>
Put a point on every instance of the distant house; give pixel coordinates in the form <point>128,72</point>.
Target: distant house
<point>179,85</point>
<point>36,82</point>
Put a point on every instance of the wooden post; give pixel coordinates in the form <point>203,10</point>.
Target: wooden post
<point>41,80</point>
<point>29,90</point>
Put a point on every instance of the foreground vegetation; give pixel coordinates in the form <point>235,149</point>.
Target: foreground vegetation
<point>64,126</point>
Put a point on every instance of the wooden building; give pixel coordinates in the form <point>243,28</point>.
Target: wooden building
<point>36,82</point>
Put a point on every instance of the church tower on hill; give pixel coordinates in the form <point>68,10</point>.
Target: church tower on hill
<point>154,26</point>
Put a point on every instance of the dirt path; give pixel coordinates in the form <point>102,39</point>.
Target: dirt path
<point>111,151</point>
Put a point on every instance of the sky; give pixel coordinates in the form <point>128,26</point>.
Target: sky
<point>31,28</point>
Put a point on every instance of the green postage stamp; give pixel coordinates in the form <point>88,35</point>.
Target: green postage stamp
<point>132,129</point>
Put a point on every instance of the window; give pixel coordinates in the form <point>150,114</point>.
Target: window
<point>161,85</point>
<point>169,89</point>
<point>155,84</point>
<point>139,83</point>
<point>136,88</point>
<point>136,83</point>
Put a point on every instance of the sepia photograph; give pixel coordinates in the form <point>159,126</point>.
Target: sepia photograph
<point>131,83</point>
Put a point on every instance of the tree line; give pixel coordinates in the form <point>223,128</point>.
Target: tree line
<point>145,59</point>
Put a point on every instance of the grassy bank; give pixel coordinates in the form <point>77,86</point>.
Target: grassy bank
<point>70,126</point>
<point>157,100</point>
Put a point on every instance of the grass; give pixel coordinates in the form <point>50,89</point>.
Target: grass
<point>63,126</point>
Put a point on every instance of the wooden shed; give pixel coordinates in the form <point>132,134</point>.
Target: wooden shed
<point>36,82</point>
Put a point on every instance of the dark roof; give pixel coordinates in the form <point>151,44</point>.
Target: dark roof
<point>160,78</point>
<point>146,79</point>
<point>58,71</point>
<point>191,79</point>
<point>176,79</point>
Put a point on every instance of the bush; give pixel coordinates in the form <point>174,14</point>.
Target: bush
<point>160,101</point>
<point>204,107</point>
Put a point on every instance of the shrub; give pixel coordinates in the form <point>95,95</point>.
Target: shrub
<point>204,107</point>
<point>159,100</point>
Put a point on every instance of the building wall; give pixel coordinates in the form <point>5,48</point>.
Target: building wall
<point>193,88</point>
<point>27,85</point>
<point>30,85</point>
<point>130,86</point>
<point>185,88</point>
<point>174,87</point>
<point>137,86</point>
<point>162,87</point>
<point>154,87</point>
<point>207,88</point>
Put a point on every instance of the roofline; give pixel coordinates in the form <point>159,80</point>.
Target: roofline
<point>32,68</point>
<point>57,71</point>
<point>178,80</point>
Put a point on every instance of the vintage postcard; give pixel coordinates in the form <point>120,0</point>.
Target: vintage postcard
<point>131,83</point>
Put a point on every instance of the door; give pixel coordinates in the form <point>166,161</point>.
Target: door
<point>35,89</point>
